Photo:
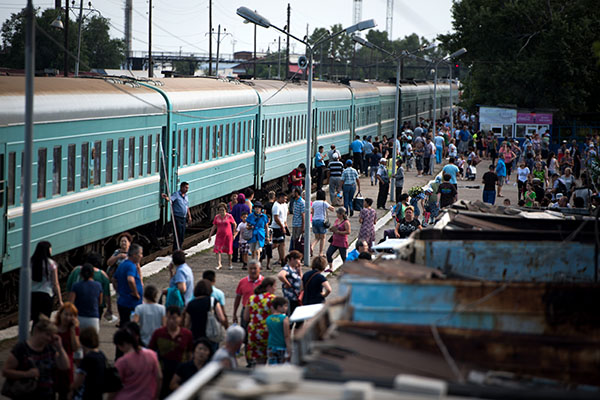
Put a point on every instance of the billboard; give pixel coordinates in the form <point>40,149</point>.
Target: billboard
<point>497,116</point>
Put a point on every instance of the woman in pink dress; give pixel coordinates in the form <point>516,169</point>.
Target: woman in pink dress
<point>367,219</point>
<point>224,225</point>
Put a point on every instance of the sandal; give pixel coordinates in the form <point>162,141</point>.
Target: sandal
<point>218,267</point>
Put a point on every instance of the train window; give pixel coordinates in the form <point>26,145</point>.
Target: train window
<point>239,135</point>
<point>268,133</point>
<point>120,159</point>
<point>227,140</point>
<point>221,141</point>
<point>41,182</point>
<point>131,161</point>
<point>85,166</point>
<point>215,142</point>
<point>12,164</point>
<point>200,142</point>
<point>2,181</point>
<point>251,144</point>
<point>288,129</point>
<point>157,164</point>
<point>109,161</point>
<point>184,155</point>
<point>193,147</point>
<point>56,169</point>
<point>243,141</point>
<point>149,163</point>
<point>141,155</point>
<point>97,157</point>
<point>207,136</point>
<point>233,138</point>
<point>249,135</point>
<point>178,138</point>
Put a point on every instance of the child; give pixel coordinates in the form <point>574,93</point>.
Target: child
<point>241,228</point>
<point>506,203</point>
<point>268,249</point>
<point>278,327</point>
<point>529,196</point>
<point>89,378</point>
<point>149,315</point>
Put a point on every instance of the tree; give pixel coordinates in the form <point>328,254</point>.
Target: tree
<point>97,49</point>
<point>532,53</point>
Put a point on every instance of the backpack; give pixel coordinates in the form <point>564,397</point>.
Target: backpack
<point>214,329</point>
<point>174,298</point>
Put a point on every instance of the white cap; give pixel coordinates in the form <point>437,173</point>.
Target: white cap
<point>335,156</point>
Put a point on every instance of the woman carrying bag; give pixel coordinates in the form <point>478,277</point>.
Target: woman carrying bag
<point>339,239</point>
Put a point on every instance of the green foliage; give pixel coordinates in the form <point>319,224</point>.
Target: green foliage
<point>185,67</point>
<point>98,50</point>
<point>531,53</point>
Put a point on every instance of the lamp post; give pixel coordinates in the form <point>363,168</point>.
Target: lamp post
<point>457,53</point>
<point>398,58</point>
<point>258,19</point>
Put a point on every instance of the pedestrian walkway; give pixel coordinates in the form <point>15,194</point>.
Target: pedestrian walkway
<point>201,257</point>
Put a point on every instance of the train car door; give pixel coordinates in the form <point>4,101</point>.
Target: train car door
<point>259,139</point>
<point>3,180</point>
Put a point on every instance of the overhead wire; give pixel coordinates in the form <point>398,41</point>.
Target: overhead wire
<point>196,117</point>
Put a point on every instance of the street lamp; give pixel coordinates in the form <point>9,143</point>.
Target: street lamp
<point>258,19</point>
<point>398,59</point>
<point>457,53</point>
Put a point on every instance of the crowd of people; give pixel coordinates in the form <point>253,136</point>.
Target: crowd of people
<point>167,334</point>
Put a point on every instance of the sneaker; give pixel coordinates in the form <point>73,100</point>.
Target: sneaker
<point>231,267</point>
<point>111,318</point>
<point>218,267</point>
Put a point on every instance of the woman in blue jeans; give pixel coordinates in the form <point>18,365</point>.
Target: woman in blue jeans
<point>319,216</point>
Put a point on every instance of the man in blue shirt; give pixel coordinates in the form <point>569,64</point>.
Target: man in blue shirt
<point>357,152</point>
<point>501,172</point>
<point>257,221</point>
<point>451,169</point>
<point>182,276</point>
<point>320,166</point>
<point>128,283</point>
<point>367,151</point>
<point>361,247</point>
<point>181,209</point>
<point>350,182</point>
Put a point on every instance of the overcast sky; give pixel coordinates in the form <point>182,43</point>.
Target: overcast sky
<point>183,24</point>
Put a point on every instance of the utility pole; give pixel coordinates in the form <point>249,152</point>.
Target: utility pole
<point>210,37</point>
<point>66,24</point>
<point>128,29</point>
<point>218,46</point>
<point>287,48</point>
<point>279,59</point>
<point>255,51</point>
<point>150,64</point>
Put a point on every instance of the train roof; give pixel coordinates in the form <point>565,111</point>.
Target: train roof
<point>385,89</point>
<point>363,90</point>
<point>274,92</point>
<point>60,99</point>
<point>296,92</point>
<point>188,94</point>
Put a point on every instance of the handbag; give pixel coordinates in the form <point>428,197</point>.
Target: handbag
<point>358,202</point>
<point>112,379</point>
<point>214,330</point>
<point>299,244</point>
<point>19,388</point>
<point>247,234</point>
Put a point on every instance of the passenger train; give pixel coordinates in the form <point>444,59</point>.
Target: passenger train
<point>106,148</point>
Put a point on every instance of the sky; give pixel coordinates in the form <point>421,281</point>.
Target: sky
<point>182,25</point>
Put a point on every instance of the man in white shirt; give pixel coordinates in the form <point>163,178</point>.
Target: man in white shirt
<point>279,224</point>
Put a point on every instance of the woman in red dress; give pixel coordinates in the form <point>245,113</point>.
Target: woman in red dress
<point>224,225</point>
